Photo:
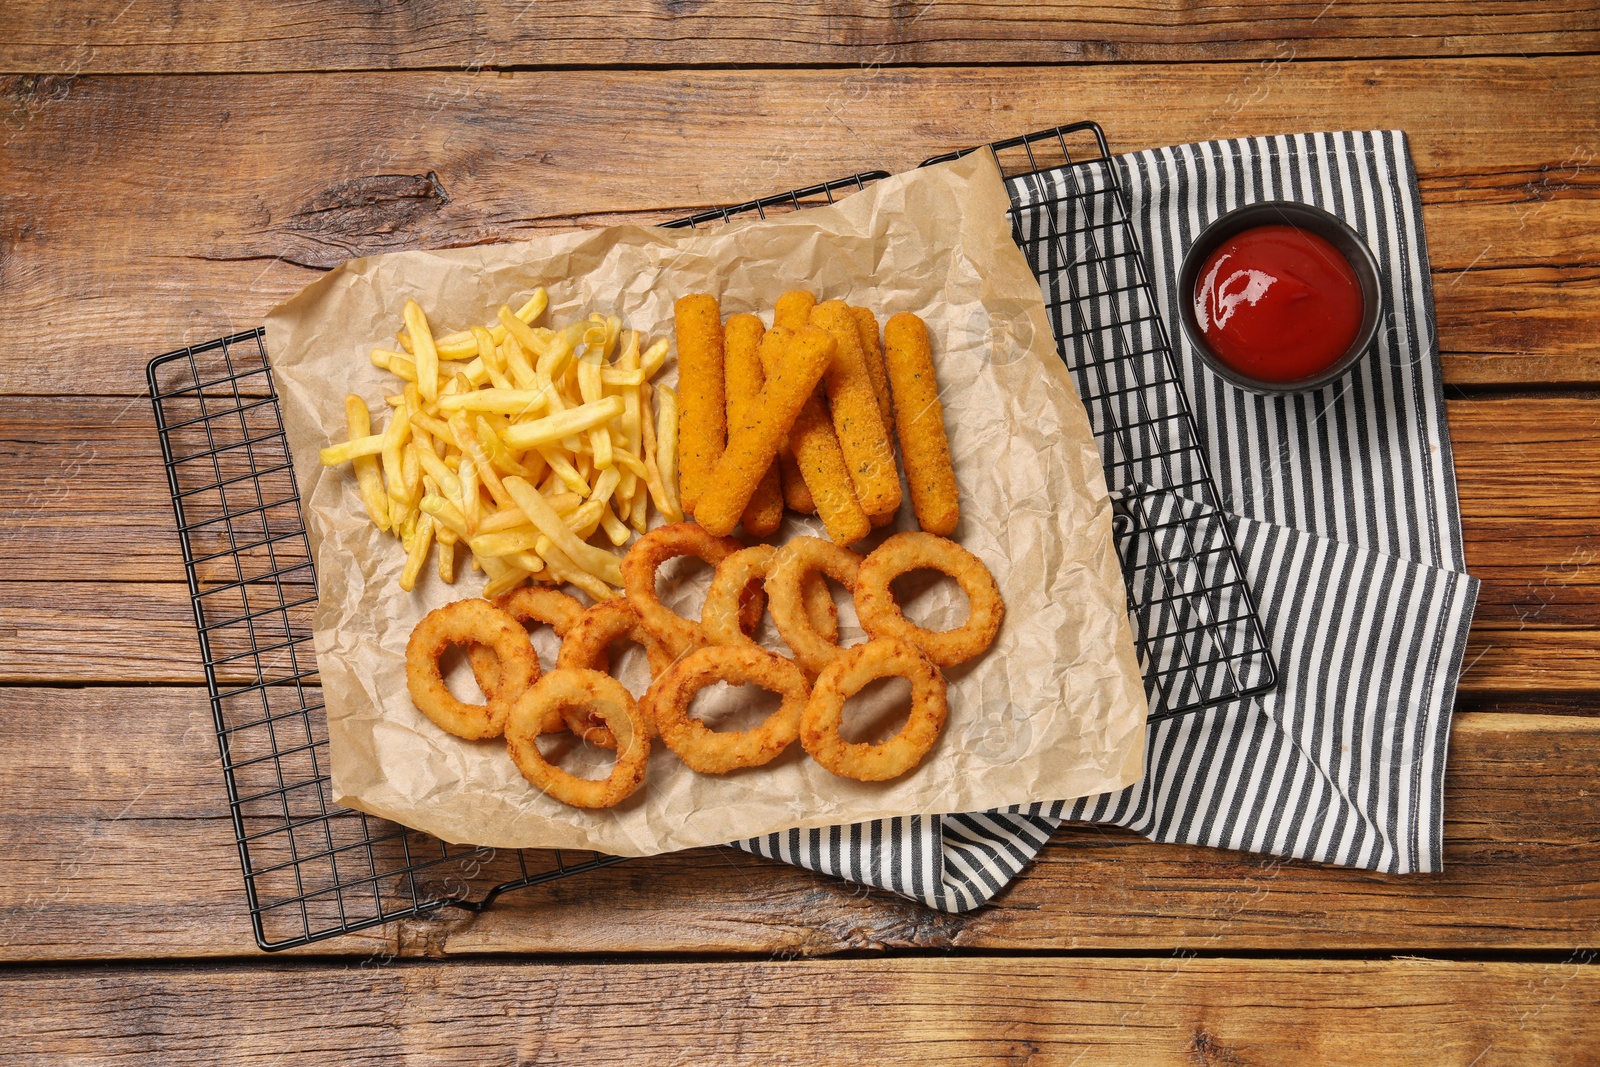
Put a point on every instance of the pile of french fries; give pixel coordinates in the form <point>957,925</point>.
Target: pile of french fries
<point>521,442</point>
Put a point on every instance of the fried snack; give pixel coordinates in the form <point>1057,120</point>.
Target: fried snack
<point>587,645</point>
<point>549,407</point>
<point>793,309</point>
<point>872,350</point>
<point>919,421</point>
<point>821,463</point>
<point>368,474</point>
<point>754,442</point>
<point>745,377</point>
<point>796,563</point>
<point>702,400</point>
<point>796,494</point>
<point>528,604</point>
<point>846,676</point>
<point>792,312</point>
<point>914,550</point>
<point>718,752</point>
<point>567,690</point>
<point>469,622</point>
<point>721,614</point>
<point>856,422</point>
<point>639,566</point>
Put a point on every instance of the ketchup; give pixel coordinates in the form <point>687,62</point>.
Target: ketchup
<point>1278,303</point>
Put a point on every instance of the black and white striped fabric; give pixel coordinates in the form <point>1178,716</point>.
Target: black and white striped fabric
<point>1343,506</point>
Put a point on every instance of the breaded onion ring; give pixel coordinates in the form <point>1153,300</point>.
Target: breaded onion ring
<point>720,615</point>
<point>586,646</point>
<point>639,567</point>
<point>846,676</point>
<point>796,564</point>
<point>718,752</point>
<point>567,690</point>
<point>914,550</point>
<point>469,622</point>
<point>555,609</point>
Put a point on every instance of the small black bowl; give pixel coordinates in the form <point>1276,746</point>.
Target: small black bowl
<point>1330,228</point>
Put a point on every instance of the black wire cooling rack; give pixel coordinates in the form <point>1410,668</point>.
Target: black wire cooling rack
<point>314,870</point>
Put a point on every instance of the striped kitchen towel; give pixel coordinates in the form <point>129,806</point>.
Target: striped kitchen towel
<point>1343,506</point>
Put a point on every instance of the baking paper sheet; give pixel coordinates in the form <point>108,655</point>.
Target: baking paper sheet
<point>1055,710</point>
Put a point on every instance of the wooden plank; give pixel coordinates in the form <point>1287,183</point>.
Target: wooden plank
<point>1531,522</point>
<point>969,1010</point>
<point>246,187</point>
<point>142,844</point>
<point>76,37</point>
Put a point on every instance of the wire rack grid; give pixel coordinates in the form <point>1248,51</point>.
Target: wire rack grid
<point>1196,626</point>
<point>314,870</point>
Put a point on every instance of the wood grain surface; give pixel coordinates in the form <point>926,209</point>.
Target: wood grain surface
<point>1161,1011</point>
<point>186,207</point>
<point>171,171</point>
<point>143,844</point>
<point>76,36</point>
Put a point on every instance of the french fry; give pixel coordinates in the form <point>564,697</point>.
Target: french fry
<point>755,439</point>
<point>553,428</point>
<point>653,359</point>
<point>512,404</point>
<point>503,544</point>
<point>667,450</point>
<point>563,569</point>
<point>504,581</point>
<point>369,478</point>
<point>703,431</point>
<point>447,559</point>
<point>445,513</point>
<point>417,555</point>
<point>471,498</point>
<point>919,421</point>
<point>501,401</point>
<point>395,438</point>
<point>856,422</point>
<point>441,474</point>
<point>602,564</point>
<point>489,354</point>
<point>744,379</point>
<point>354,448</point>
<point>616,530</point>
<point>461,343</point>
<point>501,521</point>
<point>433,427</point>
<point>423,351</point>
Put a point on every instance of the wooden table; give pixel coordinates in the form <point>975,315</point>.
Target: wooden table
<point>170,171</point>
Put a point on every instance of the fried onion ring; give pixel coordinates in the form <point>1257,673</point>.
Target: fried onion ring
<point>846,676</point>
<point>555,609</point>
<point>914,550</point>
<point>796,564</point>
<point>718,752</point>
<point>469,622</point>
<point>563,691</point>
<point>639,568</point>
<point>585,647</point>
<point>720,615</point>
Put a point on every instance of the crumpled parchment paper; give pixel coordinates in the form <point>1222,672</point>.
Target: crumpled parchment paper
<point>1056,709</point>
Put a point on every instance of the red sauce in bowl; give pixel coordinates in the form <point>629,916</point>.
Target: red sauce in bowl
<point>1278,303</point>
